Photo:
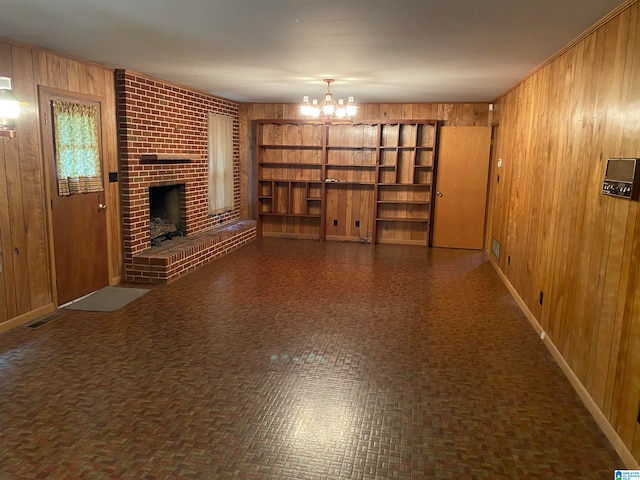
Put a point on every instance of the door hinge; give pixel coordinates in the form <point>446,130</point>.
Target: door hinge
<point>51,201</point>
<point>46,119</point>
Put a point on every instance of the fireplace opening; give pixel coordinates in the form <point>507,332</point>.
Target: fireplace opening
<point>165,213</point>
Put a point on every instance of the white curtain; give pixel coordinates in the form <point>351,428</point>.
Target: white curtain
<point>220,164</point>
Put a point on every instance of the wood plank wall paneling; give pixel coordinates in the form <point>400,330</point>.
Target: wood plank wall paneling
<point>25,263</point>
<point>7,294</point>
<point>454,114</point>
<point>558,233</point>
<point>32,179</point>
<point>247,149</point>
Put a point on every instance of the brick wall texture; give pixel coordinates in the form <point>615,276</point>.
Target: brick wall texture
<point>159,118</point>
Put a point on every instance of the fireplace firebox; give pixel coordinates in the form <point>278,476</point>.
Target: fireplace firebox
<point>165,212</point>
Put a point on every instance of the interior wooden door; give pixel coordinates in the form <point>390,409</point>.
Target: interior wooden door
<point>78,221</point>
<point>461,187</point>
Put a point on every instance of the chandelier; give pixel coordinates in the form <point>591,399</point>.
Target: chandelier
<point>328,107</point>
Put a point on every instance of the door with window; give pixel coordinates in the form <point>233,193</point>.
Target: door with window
<point>71,134</point>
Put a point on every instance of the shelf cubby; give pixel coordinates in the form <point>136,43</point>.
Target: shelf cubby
<point>350,181</point>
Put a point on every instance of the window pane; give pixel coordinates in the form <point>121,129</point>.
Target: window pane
<point>77,148</point>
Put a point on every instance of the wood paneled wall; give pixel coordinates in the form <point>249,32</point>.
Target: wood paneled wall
<point>456,114</point>
<point>558,233</point>
<point>25,262</point>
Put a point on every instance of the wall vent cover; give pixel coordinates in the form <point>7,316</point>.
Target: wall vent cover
<point>495,248</point>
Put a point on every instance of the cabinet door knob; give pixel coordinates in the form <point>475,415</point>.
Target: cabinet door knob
<point>439,194</point>
<point>102,207</point>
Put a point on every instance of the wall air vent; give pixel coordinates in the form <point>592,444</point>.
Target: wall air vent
<point>495,248</point>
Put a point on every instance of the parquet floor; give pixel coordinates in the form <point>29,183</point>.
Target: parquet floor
<point>299,360</point>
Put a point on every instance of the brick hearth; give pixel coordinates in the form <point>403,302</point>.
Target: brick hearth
<point>180,255</point>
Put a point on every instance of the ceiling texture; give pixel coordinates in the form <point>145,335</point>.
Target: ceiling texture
<point>378,51</point>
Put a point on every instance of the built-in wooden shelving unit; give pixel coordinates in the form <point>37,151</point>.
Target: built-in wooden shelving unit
<point>346,181</point>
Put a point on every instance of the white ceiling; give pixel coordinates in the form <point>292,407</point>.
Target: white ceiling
<point>278,50</point>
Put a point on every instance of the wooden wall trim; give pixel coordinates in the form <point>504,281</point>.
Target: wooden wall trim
<point>70,94</point>
<point>607,18</point>
<point>602,421</point>
<point>27,317</point>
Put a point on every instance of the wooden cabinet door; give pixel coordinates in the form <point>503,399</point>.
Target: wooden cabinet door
<point>461,187</point>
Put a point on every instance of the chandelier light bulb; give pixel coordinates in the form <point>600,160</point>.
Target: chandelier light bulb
<point>315,109</point>
<point>352,108</point>
<point>341,111</point>
<point>305,108</point>
<point>327,109</point>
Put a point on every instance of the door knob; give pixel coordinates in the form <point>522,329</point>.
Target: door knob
<point>102,207</point>
<point>439,194</point>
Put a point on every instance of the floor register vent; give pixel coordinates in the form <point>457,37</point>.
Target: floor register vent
<point>43,321</point>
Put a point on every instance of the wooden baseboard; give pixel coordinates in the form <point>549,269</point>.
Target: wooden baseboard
<point>621,449</point>
<point>26,317</point>
<point>296,236</point>
<point>420,243</point>
<point>344,238</point>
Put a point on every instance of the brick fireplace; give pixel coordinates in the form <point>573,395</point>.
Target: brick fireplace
<point>162,131</point>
